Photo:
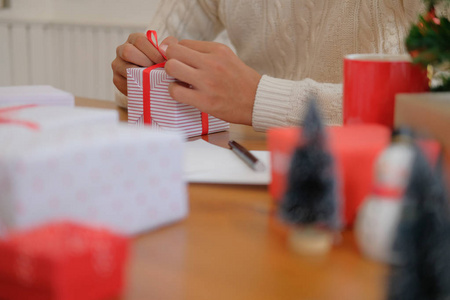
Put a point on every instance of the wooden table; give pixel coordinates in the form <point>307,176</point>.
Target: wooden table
<point>233,246</point>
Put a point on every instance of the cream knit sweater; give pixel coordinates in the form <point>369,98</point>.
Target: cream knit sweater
<point>297,45</point>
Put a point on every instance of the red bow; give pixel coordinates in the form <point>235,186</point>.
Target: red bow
<point>147,89</point>
<point>5,120</point>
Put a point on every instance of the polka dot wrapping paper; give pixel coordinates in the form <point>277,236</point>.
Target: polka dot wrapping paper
<point>80,165</point>
<point>62,261</point>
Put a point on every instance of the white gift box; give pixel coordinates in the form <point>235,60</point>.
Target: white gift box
<point>166,113</point>
<point>50,117</point>
<point>102,173</point>
<point>35,94</point>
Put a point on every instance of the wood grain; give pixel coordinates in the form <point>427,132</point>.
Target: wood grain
<point>233,246</point>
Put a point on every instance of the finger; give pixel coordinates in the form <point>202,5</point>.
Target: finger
<point>140,41</point>
<point>181,71</point>
<point>129,53</point>
<point>183,94</point>
<point>201,46</point>
<point>120,66</point>
<point>170,40</point>
<point>121,83</point>
<point>166,43</point>
<point>185,55</point>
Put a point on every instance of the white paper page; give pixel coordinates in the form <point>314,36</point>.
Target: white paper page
<point>207,163</point>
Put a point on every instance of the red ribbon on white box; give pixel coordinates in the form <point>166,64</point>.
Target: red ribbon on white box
<point>4,120</point>
<point>394,193</point>
<point>147,89</point>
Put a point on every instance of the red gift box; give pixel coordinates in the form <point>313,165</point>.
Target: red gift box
<point>62,261</point>
<point>354,148</point>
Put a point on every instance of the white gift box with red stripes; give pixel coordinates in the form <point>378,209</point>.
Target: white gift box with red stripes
<point>166,113</point>
<point>79,164</point>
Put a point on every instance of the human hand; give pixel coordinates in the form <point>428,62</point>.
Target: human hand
<point>136,52</point>
<point>213,79</point>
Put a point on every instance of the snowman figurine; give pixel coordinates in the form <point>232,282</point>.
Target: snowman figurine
<point>378,218</point>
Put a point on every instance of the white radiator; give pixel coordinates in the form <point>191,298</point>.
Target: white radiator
<point>73,57</point>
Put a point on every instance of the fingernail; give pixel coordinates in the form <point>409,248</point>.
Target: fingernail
<point>163,48</point>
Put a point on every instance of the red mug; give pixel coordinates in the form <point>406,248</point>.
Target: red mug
<point>371,82</point>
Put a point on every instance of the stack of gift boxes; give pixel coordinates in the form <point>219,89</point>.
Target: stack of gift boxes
<point>75,184</point>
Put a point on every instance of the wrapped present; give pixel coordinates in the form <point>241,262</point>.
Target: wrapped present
<point>62,261</point>
<point>57,164</point>
<point>35,94</point>
<point>149,102</point>
<point>21,118</point>
<point>354,148</point>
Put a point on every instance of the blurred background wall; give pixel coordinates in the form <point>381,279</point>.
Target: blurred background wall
<point>67,43</point>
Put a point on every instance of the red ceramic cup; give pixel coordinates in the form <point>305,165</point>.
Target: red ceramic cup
<point>371,82</point>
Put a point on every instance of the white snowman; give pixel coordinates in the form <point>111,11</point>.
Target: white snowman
<point>378,218</point>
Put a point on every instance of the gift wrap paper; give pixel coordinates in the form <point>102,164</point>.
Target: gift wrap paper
<point>35,94</point>
<point>166,113</point>
<point>49,118</point>
<point>128,179</point>
<point>62,261</point>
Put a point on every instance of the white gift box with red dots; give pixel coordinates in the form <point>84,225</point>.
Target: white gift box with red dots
<point>63,261</point>
<point>89,169</point>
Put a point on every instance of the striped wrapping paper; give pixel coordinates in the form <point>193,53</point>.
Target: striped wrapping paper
<point>166,113</point>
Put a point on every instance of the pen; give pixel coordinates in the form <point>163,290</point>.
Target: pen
<point>246,156</point>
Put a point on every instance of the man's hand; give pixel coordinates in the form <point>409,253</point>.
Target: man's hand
<point>213,79</point>
<point>136,52</point>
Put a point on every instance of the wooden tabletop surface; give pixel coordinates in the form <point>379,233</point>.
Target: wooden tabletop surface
<point>233,246</point>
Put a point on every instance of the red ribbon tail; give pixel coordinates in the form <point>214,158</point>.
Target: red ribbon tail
<point>27,124</point>
<point>205,123</point>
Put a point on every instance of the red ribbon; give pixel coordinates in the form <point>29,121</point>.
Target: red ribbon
<point>151,34</point>
<point>388,192</point>
<point>28,124</point>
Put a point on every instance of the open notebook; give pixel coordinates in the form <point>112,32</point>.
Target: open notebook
<point>207,163</point>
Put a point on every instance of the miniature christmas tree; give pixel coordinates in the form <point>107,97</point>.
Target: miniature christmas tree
<point>311,192</point>
<point>428,43</point>
<point>423,238</point>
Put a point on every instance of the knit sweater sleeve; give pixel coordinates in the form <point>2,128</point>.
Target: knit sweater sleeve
<point>281,102</point>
